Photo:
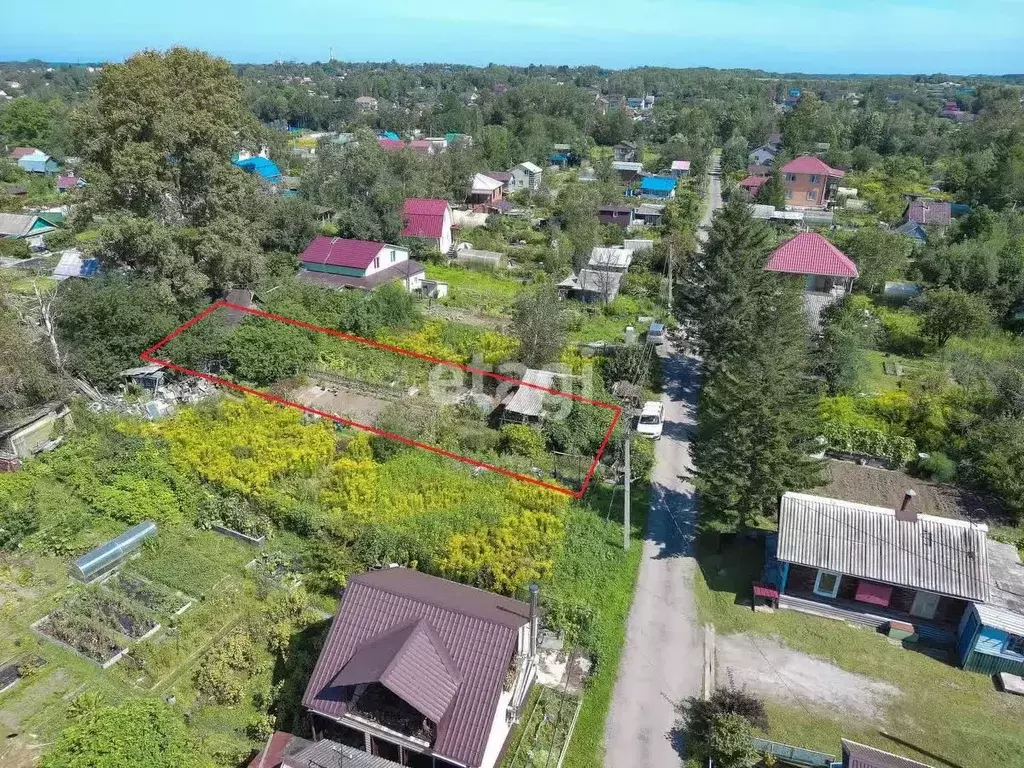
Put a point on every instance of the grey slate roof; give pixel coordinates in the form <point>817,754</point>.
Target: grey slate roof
<point>330,754</point>
<point>862,756</point>
<point>602,283</point>
<point>527,400</point>
<point>16,224</point>
<point>1005,608</point>
<point>936,554</point>
<point>478,629</point>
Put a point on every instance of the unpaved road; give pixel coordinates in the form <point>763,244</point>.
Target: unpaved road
<point>774,670</point>
<point>663,660</point>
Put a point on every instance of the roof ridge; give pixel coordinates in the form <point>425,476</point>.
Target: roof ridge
<point>951,521</point>
<point>437,604</point>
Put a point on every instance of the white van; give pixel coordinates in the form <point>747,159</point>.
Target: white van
<point>649,423</point>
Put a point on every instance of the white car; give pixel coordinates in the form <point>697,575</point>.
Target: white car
<point>650,422</point>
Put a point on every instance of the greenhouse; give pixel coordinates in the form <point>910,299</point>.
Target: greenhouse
<point>113,553</point>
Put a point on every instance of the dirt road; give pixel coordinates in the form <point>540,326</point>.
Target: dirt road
<point>663,660</point>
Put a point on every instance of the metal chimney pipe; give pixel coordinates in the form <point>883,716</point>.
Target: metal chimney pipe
<point>534,618</point>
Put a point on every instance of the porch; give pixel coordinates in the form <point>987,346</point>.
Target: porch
<point>937,634</point>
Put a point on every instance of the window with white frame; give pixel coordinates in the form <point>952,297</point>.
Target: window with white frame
<point>814,179</point>
<point>811,194</point>
<point>1015,644</point>
<point>826,584</point>
<point>376,262</point>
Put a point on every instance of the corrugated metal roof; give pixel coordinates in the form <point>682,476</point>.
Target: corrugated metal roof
<point>606,284</point>
<point>811,165</point>
<point>330,754</point>
<point>862,756</point>
<point>811,254</point>
<point>341,252</point>
<point>478,629</point>
<point>935,554</point>
<point>610,258</point>
<point>423,217</point>
<point>530,401</point>
<point>529,167</point>
<point>484,184</point>
<point>929,212</point>
<point>680,165</point>
<point>1005,607</point>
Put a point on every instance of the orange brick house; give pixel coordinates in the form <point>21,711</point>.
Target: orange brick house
<point>810,183</point>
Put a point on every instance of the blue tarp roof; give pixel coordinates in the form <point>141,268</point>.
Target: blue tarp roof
<point>390,135</point>
<point>658,184</point>
<point>265,167</point>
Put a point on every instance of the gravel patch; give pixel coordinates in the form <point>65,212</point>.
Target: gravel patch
<point>772,669</point>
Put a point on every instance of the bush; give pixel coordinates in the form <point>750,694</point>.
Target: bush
<point>870,442</point>
<point>641,458</point>
<point>522,440</point>
<point>902,332</point>
<point>939,467</point>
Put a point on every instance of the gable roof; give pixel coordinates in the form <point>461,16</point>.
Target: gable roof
<point>658,183</point>
<point>811,254</point>
<point>411,662</point>
<point>529,401</point>
<point>423,217</point>
<point>680,165</point>
<point>610,258</point>
<point>811,165</point>
<point>937,554</point>
<point>19,152</point>
<point>929,212</point>
<point>529,167</point>
<point>341,252</point>
<point>483,184</point>
<point>16,224</point>
<point>753,183</point>
<point>478,631</point>
<point>331,754</point>
<point>390,144</point>
<point>67,181</point>
<point>862,756</point>
<point>502,176</point>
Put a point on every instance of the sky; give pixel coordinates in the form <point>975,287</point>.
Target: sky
<point>813,36</point>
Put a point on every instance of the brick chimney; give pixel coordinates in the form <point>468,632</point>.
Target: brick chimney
<point>907,511</point>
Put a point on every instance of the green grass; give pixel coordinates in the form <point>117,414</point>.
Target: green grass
<point>955,715</point>
<point>873,379</point>
<point>480,291</point>
<point>25,286</point>
<point>593,572</point>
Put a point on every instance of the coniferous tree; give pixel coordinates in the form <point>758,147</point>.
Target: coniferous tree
<point>757,408</point>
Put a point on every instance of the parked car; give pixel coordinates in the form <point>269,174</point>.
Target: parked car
<point>656,334</point>
<point>650,421</point>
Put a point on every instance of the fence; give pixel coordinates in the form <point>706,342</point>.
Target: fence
<point>806,758</point>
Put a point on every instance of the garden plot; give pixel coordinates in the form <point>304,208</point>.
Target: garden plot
<point>277,569</point>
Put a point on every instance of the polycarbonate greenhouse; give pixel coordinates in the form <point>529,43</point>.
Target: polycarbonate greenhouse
<point>108,556</point>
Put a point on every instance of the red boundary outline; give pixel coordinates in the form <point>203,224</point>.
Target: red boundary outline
<point>617,410</point>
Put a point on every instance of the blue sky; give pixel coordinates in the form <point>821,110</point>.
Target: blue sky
<point>868,36</point>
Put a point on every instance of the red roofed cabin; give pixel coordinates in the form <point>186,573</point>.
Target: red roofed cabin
<point>423,671</point>
<point>428,219</point>
<point>826,268</point>
<point>810,183</point>
<point>335,262</point>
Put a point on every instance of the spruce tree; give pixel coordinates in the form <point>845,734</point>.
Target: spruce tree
<point>756,411</point>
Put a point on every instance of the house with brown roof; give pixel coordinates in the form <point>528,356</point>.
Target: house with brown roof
<point>337,262</point>
<point>423,671</point>
<point>809,182</point>
<point>428,219</point>
<point>828,272</point>
<point>924,213</point>
<point>366,104</point>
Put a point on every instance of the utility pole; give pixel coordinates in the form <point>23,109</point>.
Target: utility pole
<point>670,277</point>
<point>625,500</point>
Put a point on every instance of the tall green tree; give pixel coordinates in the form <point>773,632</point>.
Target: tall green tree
<point>880,255</point>
<point>539,323</point>
<point>756,425</point>
<point>157,135</point>
<point>773,191</point>
<point>949,313</point>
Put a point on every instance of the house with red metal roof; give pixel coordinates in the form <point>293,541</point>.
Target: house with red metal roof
<point>810,182</point>
<point>428,219</point>
<point>752,184</point>
<point>390,145</point>
<point>423,671</point>
<point>336,262</point>
<point>828,272</point>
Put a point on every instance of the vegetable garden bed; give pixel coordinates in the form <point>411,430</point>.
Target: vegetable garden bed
<point>82,636</point>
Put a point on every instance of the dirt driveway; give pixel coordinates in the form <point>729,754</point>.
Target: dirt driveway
<point>769,668</point>
<point>351,404</point>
